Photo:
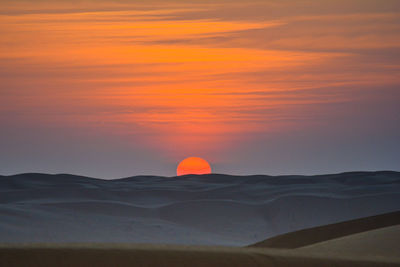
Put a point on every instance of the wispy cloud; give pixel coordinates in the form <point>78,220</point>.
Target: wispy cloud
<point>197,74</point>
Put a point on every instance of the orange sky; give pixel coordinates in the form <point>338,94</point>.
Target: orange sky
<point>195,79</point>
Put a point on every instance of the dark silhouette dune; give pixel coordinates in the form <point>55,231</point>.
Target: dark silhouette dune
<point>105,255</point>
<point>323,233</point>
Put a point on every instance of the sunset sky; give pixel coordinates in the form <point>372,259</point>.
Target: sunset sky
<point>120,88</point>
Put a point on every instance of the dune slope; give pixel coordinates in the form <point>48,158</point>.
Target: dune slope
<point>308,237</point>
<point>100,255</point>
<point>211,209</point>
<point>382,242</point>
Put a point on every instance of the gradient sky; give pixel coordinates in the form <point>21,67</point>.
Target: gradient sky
<point>120,88</point>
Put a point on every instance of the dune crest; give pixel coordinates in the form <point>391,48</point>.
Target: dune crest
<point>313,236</point>
<point>213,209</point>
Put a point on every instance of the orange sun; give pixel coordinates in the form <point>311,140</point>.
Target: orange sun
<point>193,165</point>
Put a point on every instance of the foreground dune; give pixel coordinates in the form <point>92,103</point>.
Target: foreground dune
<point>384,242</point>
<point>375,237</point>
<point>347,230</point>
<point>351,243</point>
<point>147,255</point>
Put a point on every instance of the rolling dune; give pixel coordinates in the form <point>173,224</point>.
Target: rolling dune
<point>332,233</point>
<point>211,209</point>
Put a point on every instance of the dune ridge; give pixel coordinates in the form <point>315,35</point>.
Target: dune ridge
<point>211,209</point>
<point>307,237</point>
<point>383,242</point>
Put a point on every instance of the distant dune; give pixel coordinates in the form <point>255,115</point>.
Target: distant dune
<point>191,210</point>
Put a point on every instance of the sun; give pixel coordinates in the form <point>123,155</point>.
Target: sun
<point>193,165</point>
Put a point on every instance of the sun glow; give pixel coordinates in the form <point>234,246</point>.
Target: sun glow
<point>193,165</point>
<point>178,78</point>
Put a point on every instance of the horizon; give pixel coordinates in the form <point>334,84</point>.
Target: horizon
<point>199,175</point>
<point>107,89</point>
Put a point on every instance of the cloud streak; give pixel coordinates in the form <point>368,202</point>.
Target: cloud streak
<point>201,78</point>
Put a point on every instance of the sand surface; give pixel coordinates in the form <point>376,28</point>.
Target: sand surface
<point>378,247</point>
<point>99,255</point>
<point>371,237</point>
<point>198,210</point>
<point>316,235</point>
<point>40,213</point>
<point>384,242</point>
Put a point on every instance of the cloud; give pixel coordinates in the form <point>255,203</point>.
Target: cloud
<point>202,76</point>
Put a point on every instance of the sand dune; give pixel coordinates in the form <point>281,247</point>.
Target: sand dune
<point>356,231</point>
<point>201,210</point>
<point>384,242</point>
<point>99,255</point>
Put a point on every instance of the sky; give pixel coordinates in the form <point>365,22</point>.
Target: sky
<point>114,89</point>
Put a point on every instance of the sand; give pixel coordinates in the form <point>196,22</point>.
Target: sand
<point>41,214</point>
<point>383,242</point>
<point>99,255</point>
<point>315,235</point>
<point>192,210</point>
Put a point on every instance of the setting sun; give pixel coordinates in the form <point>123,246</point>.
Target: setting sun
<point>193,165</point>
